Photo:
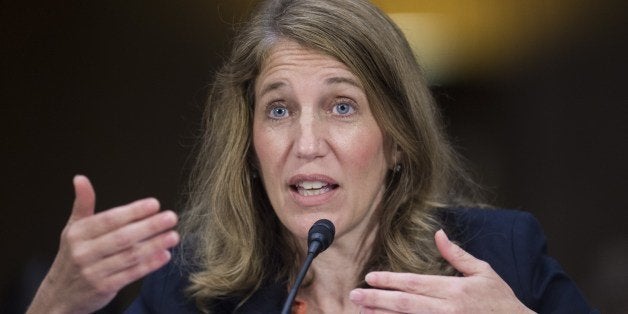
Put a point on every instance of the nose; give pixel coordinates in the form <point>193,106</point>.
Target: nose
<point>311,137</point>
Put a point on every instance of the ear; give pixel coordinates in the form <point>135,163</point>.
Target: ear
<point>393,153</point>
<point>253,165</point>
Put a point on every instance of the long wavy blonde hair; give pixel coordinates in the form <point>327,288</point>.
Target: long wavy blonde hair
<point>235,237</point>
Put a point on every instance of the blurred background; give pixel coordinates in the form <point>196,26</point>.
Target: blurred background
<point>533,94</point>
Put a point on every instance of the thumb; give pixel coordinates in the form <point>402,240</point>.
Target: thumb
<point>84,199</point>
<point>460,259</point>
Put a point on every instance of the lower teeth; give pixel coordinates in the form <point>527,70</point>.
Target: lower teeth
<point>312,192</point>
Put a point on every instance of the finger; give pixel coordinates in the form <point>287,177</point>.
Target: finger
<point>131,234</point>
<point>132,256</point>
<point>457,257</point>
<point>428,285</point>
<point>391,300</point>
<point>112,219</point>
<point>84,199</point>
<point>117,281</point>
<point>371,310</point>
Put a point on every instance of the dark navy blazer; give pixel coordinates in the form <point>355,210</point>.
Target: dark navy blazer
<point>512,242</point>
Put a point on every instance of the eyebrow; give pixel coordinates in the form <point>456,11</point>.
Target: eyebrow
<point>341,80</point>
<point>271,87</point>
<point>330,81</point>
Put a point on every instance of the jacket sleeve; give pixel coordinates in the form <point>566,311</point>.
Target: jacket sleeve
<point>547,288</point>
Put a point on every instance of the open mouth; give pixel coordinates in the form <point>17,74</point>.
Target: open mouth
<point>311,188</point>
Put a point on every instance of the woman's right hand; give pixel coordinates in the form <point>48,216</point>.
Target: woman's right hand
<point>101,253</point>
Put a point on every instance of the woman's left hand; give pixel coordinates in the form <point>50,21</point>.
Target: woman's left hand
<point>481,290</point>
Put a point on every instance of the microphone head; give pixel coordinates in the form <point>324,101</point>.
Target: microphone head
<point>322,231</point>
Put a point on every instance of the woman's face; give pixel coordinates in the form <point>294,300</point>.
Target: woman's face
<point>321,153</point>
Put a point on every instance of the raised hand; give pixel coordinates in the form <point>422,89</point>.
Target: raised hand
<point>101,253</point>
<point>481,290</point>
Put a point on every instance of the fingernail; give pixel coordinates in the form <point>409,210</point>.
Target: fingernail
<point>173,238</point>
<point>356,295</point>
<point>444,234</point>
<point>169,217</point>
<point>77,177</point>
<point>370,277</point>
<point>152,202</point>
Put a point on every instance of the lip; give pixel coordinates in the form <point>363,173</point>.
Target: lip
<point>311,200</point>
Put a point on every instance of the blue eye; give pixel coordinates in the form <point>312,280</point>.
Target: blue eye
<point>343,109</point>
<point>278,112</point>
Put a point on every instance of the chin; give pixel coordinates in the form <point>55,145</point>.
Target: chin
<point>300,225</point>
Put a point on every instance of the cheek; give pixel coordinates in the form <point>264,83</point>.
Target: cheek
<point>364,151</point>
<point>260,147</point>
<point>269,148</point>
<point>262,143</point>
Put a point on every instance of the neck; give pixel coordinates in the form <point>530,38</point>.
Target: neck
<point>336,272</point>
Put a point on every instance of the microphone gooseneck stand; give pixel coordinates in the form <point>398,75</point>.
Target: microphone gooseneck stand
<point>320,237</point>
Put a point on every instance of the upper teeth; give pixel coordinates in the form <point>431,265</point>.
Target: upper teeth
<point>310,185</point>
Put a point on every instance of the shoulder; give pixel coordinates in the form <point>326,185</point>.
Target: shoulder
<point>475,228</point>
<point>513,243</point>
<point>483,219</point>
<point>496,236</point>
<point>164,291</point>
<point>489,235</point>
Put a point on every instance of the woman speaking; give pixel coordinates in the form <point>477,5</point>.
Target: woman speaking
<point>319,112</point>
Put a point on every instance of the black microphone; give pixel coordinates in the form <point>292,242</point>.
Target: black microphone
<point>319,238</point>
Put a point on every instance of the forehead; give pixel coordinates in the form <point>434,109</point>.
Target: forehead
<point>287,57</point>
